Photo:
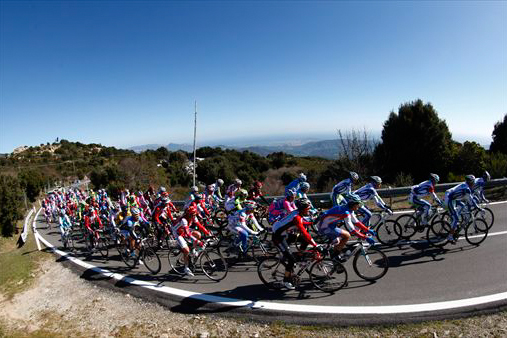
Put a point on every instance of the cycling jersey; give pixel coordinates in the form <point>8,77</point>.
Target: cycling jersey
<point>423,189</point>
<point>342,187</point>
<point>334,216</point>
<point>295,185</point>
<point>292,221</point>
<point>369,192</point>
<point>461,192</point>
<point>478,190</point>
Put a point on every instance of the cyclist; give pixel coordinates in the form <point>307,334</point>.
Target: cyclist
<point>231,190</point>
<point>163,210</point>
<point>343,187</point>
<point>478,188</point>
<point>330,221</point>
<point>214,190</point>
<point>255,193</point>
<point>238,224</point>
<point>282,228</point>
<point>181,232</point>
<point>236,202</point>
<point>64,222</point>
<point>455,196</point>
<point>191,196</point>
<point>424,189</point>
<point>294,185</point>
<point>128,229</point>
<point>367,192</point>
<point>301,194</point>
<point>281,207</point>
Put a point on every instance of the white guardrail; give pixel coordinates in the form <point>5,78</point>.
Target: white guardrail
<point>24,234</point>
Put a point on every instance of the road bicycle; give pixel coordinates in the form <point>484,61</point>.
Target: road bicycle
<point>206,258</point>
<point>476,230</point>
<point>386,229</point>
<point>368,262</point>
<point>95,242</point>
<point>324,273</point>
<point>410,224</point>
<point>230,247</point>
<point>141,252</point>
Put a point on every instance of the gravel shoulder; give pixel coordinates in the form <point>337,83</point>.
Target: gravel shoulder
<point>60,303</point>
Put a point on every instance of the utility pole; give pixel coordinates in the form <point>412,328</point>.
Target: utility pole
<point>195,133</point>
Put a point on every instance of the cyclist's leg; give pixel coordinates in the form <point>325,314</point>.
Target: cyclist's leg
<point>367,215</point>
<point>425,206</point>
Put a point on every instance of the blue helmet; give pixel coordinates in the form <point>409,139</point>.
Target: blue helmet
<point>302,177</point>
<point>435,178</point>
<point>305,186</point>
<point>470,179</point>
<point>290,193</point>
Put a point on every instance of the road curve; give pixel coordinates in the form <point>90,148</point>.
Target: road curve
<point>422,283</point>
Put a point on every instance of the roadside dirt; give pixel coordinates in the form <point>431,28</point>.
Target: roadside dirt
<point>62,304</point>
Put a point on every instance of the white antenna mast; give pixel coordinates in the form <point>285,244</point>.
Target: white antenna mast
<point>195,133</point>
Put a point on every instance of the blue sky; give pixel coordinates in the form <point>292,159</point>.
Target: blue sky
<point>126,73</point>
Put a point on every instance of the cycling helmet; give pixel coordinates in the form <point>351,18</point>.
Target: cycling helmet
<point>470,179</point>
<point>302,177</point>
<point>237,181</point>
<point>258,184</point>
<point>434,177</point>
<point>290,193</point>
<point>191,211</point>
<point>242,193</point>
<point>198,196</point>
<point>250,205</point>
<point>220,182</point>
<point>194,189</point>
<point>305,186</point>
<point>162,189</point>
<point>486,176</point>
<point>352,199</point>
<point>354,176</point>
<point>303,204</point>
<point>134,211</point>
<point>375,179</point>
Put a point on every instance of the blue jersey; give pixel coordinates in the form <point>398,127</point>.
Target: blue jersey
<point>295,185</point>
<point>478,188</point>
<point>459,193</point>
<point>343,187</point>
<point>369,192</point>
<point>424,189</point>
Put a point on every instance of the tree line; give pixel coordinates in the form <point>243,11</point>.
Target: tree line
<point>414,142</point>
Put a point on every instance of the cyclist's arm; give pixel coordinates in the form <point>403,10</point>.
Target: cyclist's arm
<point>300,226</point>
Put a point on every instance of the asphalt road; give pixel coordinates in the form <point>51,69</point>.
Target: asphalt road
<point>417,274</point>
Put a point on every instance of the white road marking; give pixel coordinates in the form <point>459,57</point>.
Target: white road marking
<point>384,309</point>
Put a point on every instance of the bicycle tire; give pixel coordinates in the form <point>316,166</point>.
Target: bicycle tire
<point>387,233</point>
<point>175,257</point>
<point>271,272</point>
<point>328,275</point>
<point>213,265</point>
<point>488,217</point>
<point>102,247</point>
<point>371,265</point>
<point>476,231</point>
<point>125,256</point>
<point>151,260</point>
<point>437,234</point>
<point>407,226</point>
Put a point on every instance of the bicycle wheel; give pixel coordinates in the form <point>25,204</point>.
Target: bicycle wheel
<point>101,246</point>
<point>476,231</point>
<point>371,264</point>
<point>437,233</point>
<point>271,272</point>
<point>261,250</point>
<point>328,275</point>
<point>487,216</point>
<point>151,260</point>
<point>407,226</point>
<point>175,257</point>
<point>213,265</point>
<point>125,254</point>
<point>387,233</point>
